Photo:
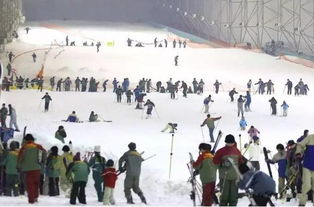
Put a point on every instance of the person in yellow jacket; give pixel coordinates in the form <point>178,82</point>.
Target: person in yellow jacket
<point>66,159</point>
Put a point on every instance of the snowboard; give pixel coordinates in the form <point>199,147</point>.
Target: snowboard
<point>268,164</point>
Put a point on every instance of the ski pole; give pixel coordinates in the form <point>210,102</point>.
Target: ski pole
<point>203,134</point>
<point>150,157</point>
<point>171,153</point>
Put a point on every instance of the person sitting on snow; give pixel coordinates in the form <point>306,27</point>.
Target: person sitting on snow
<point>93,117</point>
<point>72,117</point>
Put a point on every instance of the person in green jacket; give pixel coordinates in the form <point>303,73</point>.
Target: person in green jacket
<point>80,171</point>
<point>210,122</point>
<point>53,171</point>
<point>97,164</point>
<point>131,162</point>
<point>93,117</point>
<point>66,158</point>
<point>12,175</point>
<point>30,158</point>
<point>207,170</point>
<point>61,134</point>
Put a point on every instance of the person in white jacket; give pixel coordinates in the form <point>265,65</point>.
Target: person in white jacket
<point>12,114</point>
<point>255,151</point>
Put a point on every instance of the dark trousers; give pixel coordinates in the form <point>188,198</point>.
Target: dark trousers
<point>78,190</point>
<point>119,98</point>
<point>3,122</point>
<point>40,87</point>
<point>53,186</point>
<point>172,95</point>
<point>32,185</point>
<point>46,106</point>
<point>260,200</point>
<point>41,184</point>
<point>58,88</point>
<point>22,183</point>
<point>12,184</point>
<point>289,91</point>
<point>128,100</point>
<point>2,180</point>
<point>208,194</point>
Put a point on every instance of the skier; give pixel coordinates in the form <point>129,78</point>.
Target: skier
<point>61,134</point>
<point>297,90</point>
<point>9,68</point>
<point>253,132</point>
<point>166,43</point>
<point>305,89</point>
<point>140,101</point>
<point>240,105</point>
<point>150,105</point>
<point>11,172</point>
<point>176,58</point>
<point>227,175</point>
<point>206,103</point>
<point>158,86</point>
<point>125,84</point>
<point>27,29</point>
<point>3,116</point>
<point>242,123</point>
<point>273,105</point>
<point>12,114</point>
<point>77,84</point>
<point>97,164</point>
<point>217,84</point>
<point>270,86</point>
<point>184,44</point>
<point>40,83</point>
<point>80,171</point>
<point>254,152</point>
<point>93,117</point>
<point>285,107</point>
<point>180,43</point>
<point>34,56</point>
<point>305,147</point>
<point>98,46</point>
<point>131,162</point>
<point>280,159</point>
<point>172,91</point>
<point>207,171</point>
<point>47,99</point>
<point>84,84</point>
<point>119,94</point>
<point>248,100</point>
<point>52,82</point>
<point>289,85</point>
<point>115,84</point>
<point>200,87</point>
<point>53,166</point>
<point>231,94</point>
<point>29,163</point>
<point>110,177</point>
<point>210,122</point>
<point>262,185</point>
<point>128,94</point>
<point>72,117</point>
<point>66,158</point>
<point>260,84</point>
<point>67,84</point>
<point>129,42</point>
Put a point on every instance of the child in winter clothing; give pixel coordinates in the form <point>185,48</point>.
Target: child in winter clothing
<point>12,175</point>
<point>285,107</point>
<point>253,132</point>
<point>242,123</point>
<point>110,177</point>
<point>60,134</point>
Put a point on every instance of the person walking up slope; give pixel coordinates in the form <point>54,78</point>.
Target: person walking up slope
<point>210,122</point>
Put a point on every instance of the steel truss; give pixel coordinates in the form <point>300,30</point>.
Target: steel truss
<point>252,21</point>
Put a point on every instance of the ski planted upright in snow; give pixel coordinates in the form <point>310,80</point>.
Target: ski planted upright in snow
<point>192,179</point>
<point>268,164</point>
<point>217,142</point>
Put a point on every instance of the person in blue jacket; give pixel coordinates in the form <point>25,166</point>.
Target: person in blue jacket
<point>248,100</point>
<point>285,107</point>
<point>242,123</point>
<point>115,84</point>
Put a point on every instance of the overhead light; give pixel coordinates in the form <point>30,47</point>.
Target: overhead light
<point>185,13</point>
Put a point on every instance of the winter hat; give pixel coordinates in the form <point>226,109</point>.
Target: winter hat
<point>29,137</point>
<point>14,145</point>
<point>132,146</point>
<point>60,127</point>
<point>243,168</point>
<point>291,142</point>
<point>65,148</point>
<point>204,146</point>
<point>280,147</point>
<point>77,157</point>
<point>255,138</point>
<point>97,148</point>
<point>229,139</point>
<point>54,150</point>
<point>109,163</point>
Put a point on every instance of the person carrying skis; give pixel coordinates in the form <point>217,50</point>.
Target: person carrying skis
<point>206,103</point>
<point>97,164</point>
<point>150,105</point>
<point>285,107</point>
<point>305,148</point>
<point>53,166</point>
<point>227,174</point>
<point>231,94</point>
<point>217,84</point>
<point>210,122</point>
<point>66,158</point>
<point>93,117</point>
<point>131,162</point>
<point>240,105</point>
<point>273,105</point>
<point>280,159</point>
<point>110,177</point>
<point>47,99</point>
<point>289,85</point>
<point>242,123</point>
<point>207,171</point>
<point>60,134</point>
<point>80,171</point>
<point>253,132</point>
<point>72,117</point>
<point>262,185</point>
<point>12,114</point>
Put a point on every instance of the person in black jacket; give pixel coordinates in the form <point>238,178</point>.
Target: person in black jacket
<point>273,105</point>
<point>47,99</point>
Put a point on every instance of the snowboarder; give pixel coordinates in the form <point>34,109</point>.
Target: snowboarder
<point>273,105</point>
<point>231,94</point>
<point>97,164</point>
<point>12,114</point>
<point>227,175</point>
<point>262,185</point>
<point>206,102</point>
<point>210,122</point>
<point>3,116</point>
<point>240,105</point>
<point>29,163</point>
<point>47,99</point>
<point>176,58</point>
<point>109,176</point>
<point>242,123</point>
<point>61,134</point>
<point>150,105</point>
<point>80,171</point>
<point>34,56</point>
<point>72,117</point>
<point>53,166</point>
<point>207,171</point>
<point>131,162</point>
<point>285,107</point>
<point>217,84</point>
<point>289,85</point>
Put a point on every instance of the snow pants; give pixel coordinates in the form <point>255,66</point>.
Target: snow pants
<point>78,190</point>
<point>206,108</point>
<point>131,182</point>
<point>108,196</point>
<point>307,185</point>
<point>12,184</point>
<point>53,186</point>
<point>99,185</point>
<point>261,200</point>
<point>208,193</point>
<point>32,185</point>
<point>281,185</point>
<point>229,193</point>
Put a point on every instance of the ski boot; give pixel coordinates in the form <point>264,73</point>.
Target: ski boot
<point>143,199</point>
<point>129,200</point>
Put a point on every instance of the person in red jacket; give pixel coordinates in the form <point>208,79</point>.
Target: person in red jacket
<point>110,177</point>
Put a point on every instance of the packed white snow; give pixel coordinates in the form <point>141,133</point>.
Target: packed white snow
<point>232,67</point>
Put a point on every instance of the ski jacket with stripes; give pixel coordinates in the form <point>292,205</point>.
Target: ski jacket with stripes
<point>207,169</point>
<point>31,156</point>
